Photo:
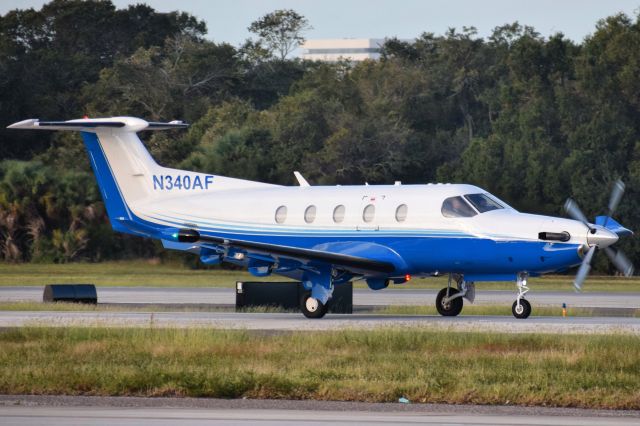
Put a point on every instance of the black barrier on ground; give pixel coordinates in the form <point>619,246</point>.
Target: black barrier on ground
<point>74,293</point>
<point>287,295</point>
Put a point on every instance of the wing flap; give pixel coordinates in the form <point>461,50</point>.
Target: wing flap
<point>338,259</point>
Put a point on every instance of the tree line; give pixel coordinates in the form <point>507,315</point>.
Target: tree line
<point>532,119</point>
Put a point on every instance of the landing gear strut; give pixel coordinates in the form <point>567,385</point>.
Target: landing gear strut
<point>521,308</point>
<point>449,300</point>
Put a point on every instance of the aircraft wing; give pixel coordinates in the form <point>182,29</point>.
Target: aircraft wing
<point>309,255</point>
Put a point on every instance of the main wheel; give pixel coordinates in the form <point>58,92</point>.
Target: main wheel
<point>523,311</point>
<point>451,308</point>
<point>312,308</point>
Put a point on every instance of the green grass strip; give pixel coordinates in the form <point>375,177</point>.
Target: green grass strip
<point>596,371</point>
<point>151,274</point>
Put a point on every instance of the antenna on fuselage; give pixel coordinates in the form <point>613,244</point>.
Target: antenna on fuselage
<point>301,180</point>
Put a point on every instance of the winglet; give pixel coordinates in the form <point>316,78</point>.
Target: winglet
<point>301,180</point>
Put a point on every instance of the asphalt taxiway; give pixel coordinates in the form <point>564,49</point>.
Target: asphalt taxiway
<point>296,322</point>
<point>361,297</point>
<point>87,416</point>
<point>69,410</point>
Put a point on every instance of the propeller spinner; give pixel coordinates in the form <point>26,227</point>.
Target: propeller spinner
<point>600,237</point>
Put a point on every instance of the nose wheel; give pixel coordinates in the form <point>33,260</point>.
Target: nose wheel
<point>521,310</point>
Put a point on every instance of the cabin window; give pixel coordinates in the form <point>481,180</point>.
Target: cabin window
<point>281,214</point>
<point>482,202</point>
<point>401,213</point>
<point>338,213</point>
<point>369,213</point>
<point>457,207</point>
<point>310,214</point>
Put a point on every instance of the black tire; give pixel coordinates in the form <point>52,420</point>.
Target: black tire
<point>318,313</point>
<point>524,311</point>
<point>451,309</point>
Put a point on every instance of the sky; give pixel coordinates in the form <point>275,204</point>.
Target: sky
<point>227,21</point>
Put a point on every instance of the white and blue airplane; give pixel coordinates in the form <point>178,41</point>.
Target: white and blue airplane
<point>329,235</point>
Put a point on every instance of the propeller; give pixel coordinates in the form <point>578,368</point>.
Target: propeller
<point>617,257</point>
<point>572,209</point>
<point>585,268</point>
<point>614,200</point>
<point>620,261</point>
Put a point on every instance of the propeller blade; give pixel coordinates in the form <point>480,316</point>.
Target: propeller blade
<point>621,262</point>
<point>585,267</point>
<point>572,209</point>
<point>614,200</point>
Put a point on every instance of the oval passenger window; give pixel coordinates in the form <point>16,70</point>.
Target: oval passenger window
<point>310,214</point>
<point>401,213</point>
<point>281,214</point>
<point>338,213</point>
<point>369,213</point>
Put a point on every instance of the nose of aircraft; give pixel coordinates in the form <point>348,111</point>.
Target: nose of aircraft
<point>602,237</point>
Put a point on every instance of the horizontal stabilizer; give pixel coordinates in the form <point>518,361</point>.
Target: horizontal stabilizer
<point>92,124</point>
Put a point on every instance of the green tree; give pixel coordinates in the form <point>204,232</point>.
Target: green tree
<point>280,32</point>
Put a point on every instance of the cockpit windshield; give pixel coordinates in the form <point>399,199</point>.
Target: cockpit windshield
<point>483,203</point>
<point>457,207</point>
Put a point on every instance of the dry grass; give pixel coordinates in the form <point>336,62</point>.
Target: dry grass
<point>424,366</point>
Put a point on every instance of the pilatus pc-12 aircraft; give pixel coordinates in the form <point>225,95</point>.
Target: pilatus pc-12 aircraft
<point>325,236</point>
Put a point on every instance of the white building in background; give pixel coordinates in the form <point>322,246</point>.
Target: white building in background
<point>332,50</point>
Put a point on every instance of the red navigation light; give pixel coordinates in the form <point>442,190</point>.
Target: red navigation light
<point>407,278</point>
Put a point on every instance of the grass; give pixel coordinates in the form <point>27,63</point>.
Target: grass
<point>120,274</point>
<point>143,273</point>
<point>596,371</point>
<point>78,307</point>
<point>475,310</point>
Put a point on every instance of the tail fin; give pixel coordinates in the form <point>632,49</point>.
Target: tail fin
<point>126,173</point>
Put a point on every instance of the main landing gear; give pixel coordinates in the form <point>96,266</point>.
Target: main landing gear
<point>449,300</point>
<point>312,308</point>
<point>521,308</point>
<point>320,283</point>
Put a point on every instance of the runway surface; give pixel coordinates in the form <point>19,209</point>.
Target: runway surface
<point>65,410</point>
<point>296,322</point>
<point>55,416</point>
<point>226,296</point>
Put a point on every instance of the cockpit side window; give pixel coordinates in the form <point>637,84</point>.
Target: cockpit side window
<point>483,203</point>
<point>457,207</point>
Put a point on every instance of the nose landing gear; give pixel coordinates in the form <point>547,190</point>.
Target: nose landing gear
<point>521,308</point>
